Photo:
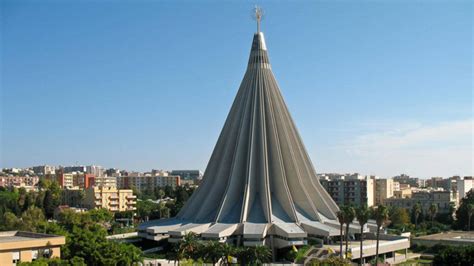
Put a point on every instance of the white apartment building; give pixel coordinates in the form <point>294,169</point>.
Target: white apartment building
<point>95,170</point>
<point>464,186</point>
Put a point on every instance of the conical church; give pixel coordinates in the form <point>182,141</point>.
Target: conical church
<point>260,186</point>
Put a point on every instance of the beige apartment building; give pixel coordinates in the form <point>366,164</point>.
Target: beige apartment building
<point>402,193</point>
<point>17,246</point>
<point>111,198</point>
<point>384,189</point>
<point>444,200</point>
<point>142,182</point>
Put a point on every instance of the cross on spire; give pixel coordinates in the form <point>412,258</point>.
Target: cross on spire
<point>258,16</point>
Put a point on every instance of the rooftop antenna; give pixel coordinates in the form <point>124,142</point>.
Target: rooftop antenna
<point>258,16</point>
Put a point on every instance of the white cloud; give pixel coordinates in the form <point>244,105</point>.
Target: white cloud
<point>442,149</point>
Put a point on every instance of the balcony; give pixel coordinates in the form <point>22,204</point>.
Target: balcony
<point>131,197</point>
<point>131,203</point>
<point>113,203</point>
<point>113,197</point>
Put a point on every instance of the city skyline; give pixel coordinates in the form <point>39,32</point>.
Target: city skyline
<point>127,89</point>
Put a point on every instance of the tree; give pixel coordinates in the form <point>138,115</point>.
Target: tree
<point>31,219</point>
<point>349,215</point>
<point>188,246</point>
<point>49,203</point>
<point>159,193</point>
<point>381,218</point>
<point>363,215</point>
<point>10,221</point>
<point>447,255</point>
<point>253,255</point>
<point>432,211</point>
<point>470,212</point>
<point>227,251</point>
<point>340,218</point>
<point>261,255</point>
<point>416,211</point>
<point>399,217</point>
<point>462,213</point>
<point>147,209</point>
<point>213,251</point>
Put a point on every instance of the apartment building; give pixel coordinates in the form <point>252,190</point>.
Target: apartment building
<point>464,186</point>
<point>444,200</point>
<point>384,189</point>
<point>28,182</point>
<point>188,174</point>
<point>352,189</point>
<point>17,246</point>
<point>407,180</point>
<point>110,198</point>
<point>95,170</point>
<point>141,182</point>
<point>72,179</point>
<point>44,169</point>
<point>402,193</point>
<point>105,181</point>
<point>448,184</point>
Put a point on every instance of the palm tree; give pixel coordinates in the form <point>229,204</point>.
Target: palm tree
<point>363,215</point>
<point>213,251</point>
<point>244,255</point>
<point>261,254</point>
<point>470,212</point>
<point>340,218</point>
<point>433,210</point>
<point>381,217</point>
<point>349,215</point>
<point>188,247</point>
<point>416,213</point>
<point>227,250</point>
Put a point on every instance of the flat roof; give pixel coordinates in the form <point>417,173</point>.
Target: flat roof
<point>14,236</point>
<point>6,239</point>
<point>453,235</point>
<point>19,239</point>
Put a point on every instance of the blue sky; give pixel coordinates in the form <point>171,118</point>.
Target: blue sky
<point>374,87</point>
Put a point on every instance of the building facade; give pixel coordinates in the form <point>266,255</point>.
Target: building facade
<point>188,174</point>
<point>17,246</point>
<point>444,200</point>
<point>44,169</point>
<point>384,189</point>
<point>143,182</point>
<point>404,179</point>
<point>110,198</point>
<point>95,170</point>
<point>28,182</point>
<point>348,189</point>
<point>464,186</point>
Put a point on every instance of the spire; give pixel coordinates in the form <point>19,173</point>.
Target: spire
<point>258,53</point>
<point>258,16</point>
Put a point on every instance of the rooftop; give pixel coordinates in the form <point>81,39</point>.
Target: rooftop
<point>453,235</point>
<point>16,236</point>
<point>19,240</point>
